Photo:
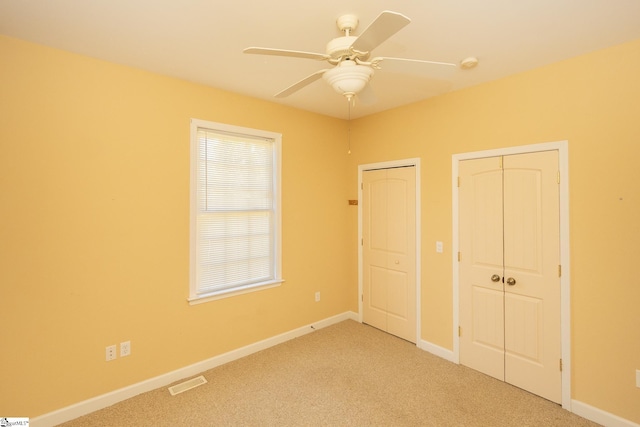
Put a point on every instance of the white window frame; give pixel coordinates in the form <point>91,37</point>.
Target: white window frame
<point>196,296</point>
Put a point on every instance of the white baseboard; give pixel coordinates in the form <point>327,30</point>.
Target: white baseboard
<point>436,350</point>
<point>582,409</point>
<point>91,405</point>
<point>599,416</point>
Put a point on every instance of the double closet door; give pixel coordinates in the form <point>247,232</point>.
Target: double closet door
<point>389,250</point>
<point>509,272</point>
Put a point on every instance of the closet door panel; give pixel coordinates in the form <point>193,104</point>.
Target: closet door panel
<point>532,254</point>
<point>389,250</point>
<point>509,283</point>
<point>481,298</point>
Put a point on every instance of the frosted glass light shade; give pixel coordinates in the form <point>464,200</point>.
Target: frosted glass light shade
<point>348,78</point>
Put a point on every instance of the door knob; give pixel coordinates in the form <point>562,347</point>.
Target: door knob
<point>511,281</point>
<point>495,278</point>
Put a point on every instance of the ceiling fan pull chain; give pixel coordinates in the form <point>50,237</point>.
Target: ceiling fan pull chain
<point>349,126</point>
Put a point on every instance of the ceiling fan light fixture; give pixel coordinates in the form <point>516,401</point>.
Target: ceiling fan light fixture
<point>348,78</point>
<point>349,55</point>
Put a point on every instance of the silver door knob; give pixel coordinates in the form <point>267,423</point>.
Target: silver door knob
<point>511,281</point>
<point>495,278</point>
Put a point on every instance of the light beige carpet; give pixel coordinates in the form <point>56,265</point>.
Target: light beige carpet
<point>348,374</point>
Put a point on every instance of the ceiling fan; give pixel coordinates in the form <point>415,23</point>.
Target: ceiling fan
<point>351,57</point>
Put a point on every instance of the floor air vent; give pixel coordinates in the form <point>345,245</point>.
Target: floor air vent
<point>187,385</point>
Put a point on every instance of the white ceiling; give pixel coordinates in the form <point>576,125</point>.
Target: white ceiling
<point>202,40</point>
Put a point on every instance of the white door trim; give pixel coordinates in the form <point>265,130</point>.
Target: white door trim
<point>415,162</point>
<point>565,280</point>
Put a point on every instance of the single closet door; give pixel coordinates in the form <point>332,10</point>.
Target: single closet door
<point>509,270</point>
<point>389,250</point>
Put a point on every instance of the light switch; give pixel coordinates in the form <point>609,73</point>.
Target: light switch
<point>439,247</point>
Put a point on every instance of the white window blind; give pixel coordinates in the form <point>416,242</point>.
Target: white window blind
<point>236,210</point>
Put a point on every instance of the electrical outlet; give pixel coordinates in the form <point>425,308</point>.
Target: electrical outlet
<point>111,352</point>
<point>638,378</point>
<point>439,247</point>
<point>125,348</point>
<point>318,296</point>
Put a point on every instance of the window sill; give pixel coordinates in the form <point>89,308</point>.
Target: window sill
<point>213,296</point>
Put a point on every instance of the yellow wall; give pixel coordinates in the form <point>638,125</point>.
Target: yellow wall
<point>94,226</point>
<point>94,191</point>
<point>593,102</point>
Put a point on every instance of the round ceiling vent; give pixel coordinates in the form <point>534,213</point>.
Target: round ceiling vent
<point>469,63</point>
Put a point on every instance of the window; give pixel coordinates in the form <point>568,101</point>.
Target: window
<point>235,210</point>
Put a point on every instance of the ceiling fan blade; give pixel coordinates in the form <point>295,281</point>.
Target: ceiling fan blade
<point>283,52</point>
<point>384,26</point>
<point>299,85</point>
<point>431,69</point>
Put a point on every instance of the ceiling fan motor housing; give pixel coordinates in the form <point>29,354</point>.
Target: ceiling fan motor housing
<point>340,47</point>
